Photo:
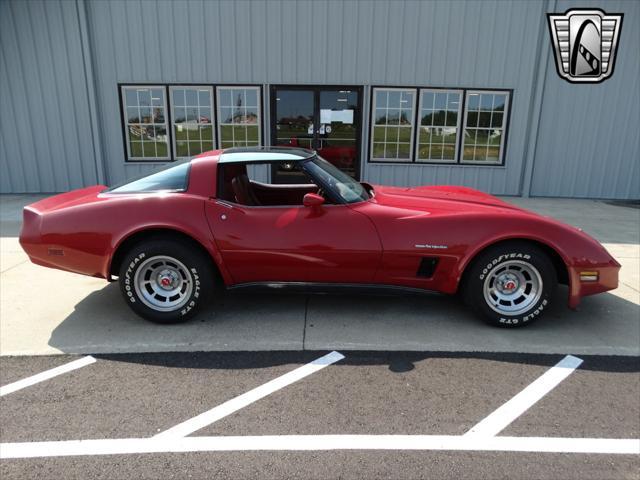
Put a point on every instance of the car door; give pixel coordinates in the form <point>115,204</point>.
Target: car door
<point>329,243</point>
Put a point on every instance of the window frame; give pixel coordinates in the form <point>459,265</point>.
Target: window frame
<point>171,88</point>
<point>128,159</point>
<point>458,120</point>
<point>258,89</point>
<point>125,122</point>
<point>506,114</point>
<point>372,125</point>
<point>462,118</point>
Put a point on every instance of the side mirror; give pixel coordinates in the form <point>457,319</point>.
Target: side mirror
<point>312,200</point>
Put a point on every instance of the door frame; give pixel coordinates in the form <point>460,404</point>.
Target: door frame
<point>316,88</point>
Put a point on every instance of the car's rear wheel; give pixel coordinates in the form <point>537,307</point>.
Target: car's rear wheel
<point>165,281</point>
<point>510,285</point>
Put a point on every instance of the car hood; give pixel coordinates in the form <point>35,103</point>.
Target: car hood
<point>440,197</point>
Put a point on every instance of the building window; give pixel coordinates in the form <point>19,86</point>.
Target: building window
<point>445,133</point>
<point>393,118</point>
<point>192,121</point>
<point>145,122</point>
<point>239,117</point>
<point>484,132</point>
<point>439,122</point>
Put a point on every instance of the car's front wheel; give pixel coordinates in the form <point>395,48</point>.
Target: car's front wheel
<point>510,285</point>
<point>165,281</point>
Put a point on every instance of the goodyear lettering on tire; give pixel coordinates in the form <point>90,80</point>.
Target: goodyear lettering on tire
<point>499,259</point>
<point>129,273</point>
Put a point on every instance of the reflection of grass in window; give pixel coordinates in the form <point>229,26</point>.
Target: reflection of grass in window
<point>437,152</point>
<point>240,134</point>
<point>482,153</point>
<point>183,134</point>
<point>149,149</point>
<point>378,150</point>
<point>207,133</point>
<point>161,149</point>
<point>136,149</point>
<point>193,133</point>
<point>404,134</point>
<point>182,150</point>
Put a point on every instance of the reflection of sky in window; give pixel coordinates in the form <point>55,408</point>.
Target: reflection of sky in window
<point>291,103</point>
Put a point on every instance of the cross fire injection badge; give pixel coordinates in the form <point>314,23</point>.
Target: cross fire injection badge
<point>585,43</point>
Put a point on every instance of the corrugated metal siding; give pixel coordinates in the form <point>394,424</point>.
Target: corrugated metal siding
<point>459,44</point>
<point>456,44</point>
<point>46,144</point>
<point>589,135</point>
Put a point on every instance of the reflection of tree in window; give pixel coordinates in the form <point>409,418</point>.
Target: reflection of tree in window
<point>393,124</point>
<point>146,124</point>
<point>438,129</point>
<point>191,113</point>
<point>238,117</point>
<point>484,127</point>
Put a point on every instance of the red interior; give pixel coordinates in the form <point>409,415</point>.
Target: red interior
<point>266,194</point>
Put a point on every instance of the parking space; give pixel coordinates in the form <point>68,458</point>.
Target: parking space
<point>232,406</point>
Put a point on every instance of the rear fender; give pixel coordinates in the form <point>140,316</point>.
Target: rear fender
<point>147,230</point>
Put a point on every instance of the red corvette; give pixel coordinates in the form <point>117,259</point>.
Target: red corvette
<point>174,237</point>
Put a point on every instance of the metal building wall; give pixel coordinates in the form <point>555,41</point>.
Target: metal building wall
<point>61,62</point>
<point>46,142</point>
<point>589,136</point>
<point>452,44</point>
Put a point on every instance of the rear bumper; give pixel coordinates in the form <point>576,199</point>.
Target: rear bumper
<point>578,288</point>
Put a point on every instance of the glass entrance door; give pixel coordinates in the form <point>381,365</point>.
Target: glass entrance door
<point>326,119</point>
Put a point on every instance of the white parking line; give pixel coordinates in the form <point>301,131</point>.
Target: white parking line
<point>507,413</point>
<point>46,375</point>
<point>318,443</point>
<point>227,408</point>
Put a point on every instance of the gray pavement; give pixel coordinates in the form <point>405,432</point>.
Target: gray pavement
<point>45,311</point>
<point>367,393</point>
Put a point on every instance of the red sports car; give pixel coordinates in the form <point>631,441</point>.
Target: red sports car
<point>174,237</point>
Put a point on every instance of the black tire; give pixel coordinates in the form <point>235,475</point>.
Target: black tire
<point>496,284</point>
<point>187,271</point>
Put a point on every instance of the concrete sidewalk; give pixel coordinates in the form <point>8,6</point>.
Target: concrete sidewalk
<point>45,311</point>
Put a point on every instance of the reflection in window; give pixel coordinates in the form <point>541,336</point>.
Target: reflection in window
<point>392,135</point>
<point>484,126</point>
<point>239,116</point>
<point>439,121</point>
<point>192,120</point>
<point>145,123</point>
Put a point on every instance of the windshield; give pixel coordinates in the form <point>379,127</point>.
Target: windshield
<point>347,189</point>
<point>173,178</point>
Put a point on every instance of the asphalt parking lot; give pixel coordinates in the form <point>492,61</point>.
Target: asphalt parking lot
<point>357,415</point>
<point>296,386</point>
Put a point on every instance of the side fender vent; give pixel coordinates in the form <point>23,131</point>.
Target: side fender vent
<point>427,267</point>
